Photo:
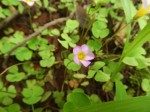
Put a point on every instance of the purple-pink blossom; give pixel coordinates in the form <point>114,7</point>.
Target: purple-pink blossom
<point>83,55</point>
<point>146,4</point>
<point>145,9</point>
<point>29,2</point>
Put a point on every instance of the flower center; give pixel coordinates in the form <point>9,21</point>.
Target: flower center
<point>81,56</point>
<point>29,0</point>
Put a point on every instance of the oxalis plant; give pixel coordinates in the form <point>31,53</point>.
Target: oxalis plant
<point>74,56</point>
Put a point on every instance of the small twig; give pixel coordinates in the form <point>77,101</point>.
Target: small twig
<point>36,34</point>
<point>10,18</point>
<point>33,35</point>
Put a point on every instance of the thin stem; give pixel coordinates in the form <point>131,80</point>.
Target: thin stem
<point>30,18</point>
<point>120,64</point>
<point>12,66</point>
<point>32,108</point>
<point>8,92</point>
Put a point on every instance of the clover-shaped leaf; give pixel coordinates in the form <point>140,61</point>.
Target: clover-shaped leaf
<point>76,100</point>
<point>45,54</point>
<point>71,25</point>
<point>67,42</point>
<point>3,109</point>
<point>97,65</point>
<point>70,64</point>
<point>33,43</point>
<point>54,32</point>
<point>6,95</point>
<point>130,61</point>
<point>63,43</point>
<point>15,77</point>
<point>102,77</point>
<point>17,37</point>
<point>5,47</point>
<point>46,96</point>
<point>29,68</point>
<point>94,45</point>
<point>91,73</point>
<point>14,108</point>
<point>23,53</point>
<point>32,95</point>
<point>48,62</point>
<point>13,69</point>
<point>31,83</point>
<point>95,68</point>
<point>99,29</point>
<point>10,2</point>
<point>146,85</point>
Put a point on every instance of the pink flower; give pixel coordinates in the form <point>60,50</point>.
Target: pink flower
<point>146,5</point>
<point>145,9</point>
<point>29,2</point>
<point>82,55</point>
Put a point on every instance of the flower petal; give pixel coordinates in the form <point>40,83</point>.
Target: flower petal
<point>85,48</point>
<point>89,56</point>
<point>30,3</point>
<point>76,60</point>
<point>85,63</point>
<point>145,3</point>
<point>76,50</point>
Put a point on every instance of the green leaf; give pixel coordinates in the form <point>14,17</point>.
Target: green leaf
<point>32,100</point>
<point>20,8</point>
<point>45,54</point>
<point>139,40</point>
<point>66,37</point>
<point>146,85</point>
<point>75,38</point>
<point>12,91</point>
<point>72,44</point>
<point>129,9</point>
<point>95,99</point>
<point>16,77</point>
<point>29,68</point>
<point>143,62</point>
<point>72,24</point>
<point>54,32</point>
<point>97,65</point>
<point>73,66</point>
<point>120,91</point>
<point>46,96</point>
<point>76,100</point>
<point>17,38</point>
<point>63,43</point>
<point>79,76</point>
<point>104,33</point>
<point>32,95</point>
<point>3,109</point>
<point>13,69</point>
<point>130,61</point>
<point>102,77</point>
<point>46,3</point>
<point>33,43</point>
<point>13,108</point>
<point>10,2</point>
<point>97,28</point>
<point>136,104</point>
<point>94,45</point>
<point>7,100</point>
<point>23,53</point>
<point>91,74</point>
<point>6,47</point>
<point>47,62</point>
<point>58,96</point>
